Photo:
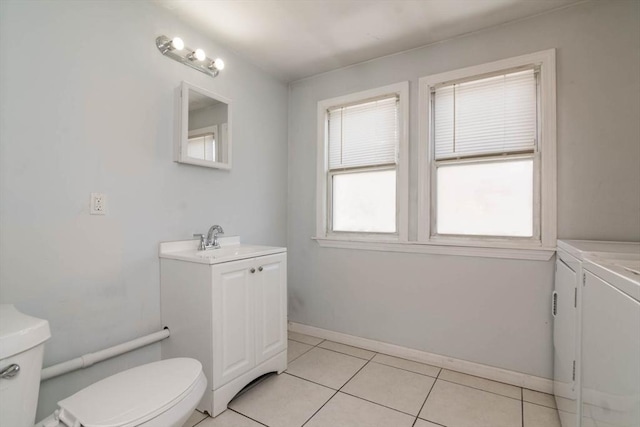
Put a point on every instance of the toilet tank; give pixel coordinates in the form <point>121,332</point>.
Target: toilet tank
<point>22,340</point>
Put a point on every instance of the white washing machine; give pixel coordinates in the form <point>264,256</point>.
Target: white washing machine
<point>610,387</point>
<point>567,316</point>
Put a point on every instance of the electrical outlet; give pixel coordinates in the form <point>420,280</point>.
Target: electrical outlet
<point>98,204</point>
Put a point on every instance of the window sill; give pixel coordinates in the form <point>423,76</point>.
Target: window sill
<point>523,252</point>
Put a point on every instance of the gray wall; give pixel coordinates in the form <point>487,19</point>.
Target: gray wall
<point>490,311</point>
<point>86,106</point>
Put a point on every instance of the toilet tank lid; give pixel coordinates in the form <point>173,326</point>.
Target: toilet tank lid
<point>134,396</point>
<point>19,332</point>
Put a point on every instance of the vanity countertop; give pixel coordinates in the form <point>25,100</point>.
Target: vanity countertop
<point>230,250</point>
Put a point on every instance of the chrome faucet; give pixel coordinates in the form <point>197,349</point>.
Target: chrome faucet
<point>212,236</point>
<point>211,239</point>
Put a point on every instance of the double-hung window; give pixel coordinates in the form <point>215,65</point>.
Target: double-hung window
<point>488,162</point>
<point>361,172</point>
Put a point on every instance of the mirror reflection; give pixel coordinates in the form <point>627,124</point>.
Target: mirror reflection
<point>205,140</point>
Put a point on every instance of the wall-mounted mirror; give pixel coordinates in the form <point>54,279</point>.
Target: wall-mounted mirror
<point>205,128</point>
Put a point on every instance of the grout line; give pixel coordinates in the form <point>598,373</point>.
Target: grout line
<point>425,402</point>
<point>308,380</point>
<point>301,342</point>
<point>481,389</point>
<point>407,370</point>
<point>377,403</point>
<point>344,354</point>
<point>337,391</point>
<point>243,415</point>
<point>538,404</point>
<point>370,401</point>
<point>298,356</point>
<point>352,376</point>
<point>487,379</point>
<point>413,361</point>
<point>319,409</point>
<point>347,354</point>
<point>522,407</point>
<point>202,420</point>
<point>332,396</point>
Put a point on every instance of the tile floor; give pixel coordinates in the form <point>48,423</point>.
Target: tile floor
<point>334,385</point>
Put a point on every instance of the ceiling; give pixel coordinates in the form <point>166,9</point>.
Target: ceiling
<point>293,39</point>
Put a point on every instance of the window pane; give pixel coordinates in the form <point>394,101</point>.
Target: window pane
<point>488,199</point>
<point>364,134</point>
<point>202,147</point>
<point>365,201</point>
<point>489,115</point>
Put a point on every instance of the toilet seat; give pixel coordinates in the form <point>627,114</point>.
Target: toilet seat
<point>132,397</point>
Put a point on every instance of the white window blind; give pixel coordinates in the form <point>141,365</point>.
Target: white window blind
<point>365,134</point>
<point>493,115</point>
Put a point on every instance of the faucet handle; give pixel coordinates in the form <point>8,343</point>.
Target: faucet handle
<point>203,244</point>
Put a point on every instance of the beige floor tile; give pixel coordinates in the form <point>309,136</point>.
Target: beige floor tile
<point>194,419</point>
<point>423,423</point>
<point>481,383</point>
<point>296,349</point>
<point>282,401</point>
<point>455,405</point>
<point>540,416</point>
<point>345,410</point>
<point>391,387</point>
<point>409,365</point>
<point>543,399</point>
<point>229,419</point>
<point>325,367</point>
<point>347,349</point>
<point>568,418</point>
<point>305,339</point>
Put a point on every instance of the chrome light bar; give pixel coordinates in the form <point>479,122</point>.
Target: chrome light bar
<point>175,49</point>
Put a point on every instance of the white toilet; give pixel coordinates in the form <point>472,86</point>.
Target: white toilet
<point>159,394</point>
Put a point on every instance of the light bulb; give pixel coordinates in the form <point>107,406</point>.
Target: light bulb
<point>219,64</point>
<point>177,43</point>
<point>200,55</point>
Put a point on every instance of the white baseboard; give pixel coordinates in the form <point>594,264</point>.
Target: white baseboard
<point>519,379</point>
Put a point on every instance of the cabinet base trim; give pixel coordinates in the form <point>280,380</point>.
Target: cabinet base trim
<point>518,379</point>
<point>222,396</point>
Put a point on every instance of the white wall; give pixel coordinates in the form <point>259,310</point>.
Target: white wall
<point>489,311</point>
<point>86,105</point>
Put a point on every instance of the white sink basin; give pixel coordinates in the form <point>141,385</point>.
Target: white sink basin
<point>231,250</point>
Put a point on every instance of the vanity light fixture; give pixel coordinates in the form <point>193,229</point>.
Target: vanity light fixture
<point>175,43</point>
<point>195,58</point>
<point>197,55</point>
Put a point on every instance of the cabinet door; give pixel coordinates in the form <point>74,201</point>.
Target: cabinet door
<point>271,306</point>
<point>564,329</point>
<point>565,312</point>
<point>233,320</point>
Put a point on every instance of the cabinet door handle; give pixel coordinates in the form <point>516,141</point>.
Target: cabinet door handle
<point>253,270</point>
<point>260,268</point>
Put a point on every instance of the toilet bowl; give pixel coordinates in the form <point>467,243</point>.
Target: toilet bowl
<point>158,394</point>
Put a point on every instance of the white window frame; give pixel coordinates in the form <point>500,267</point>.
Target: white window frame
<point>544,169</point>
<point>323,234</point>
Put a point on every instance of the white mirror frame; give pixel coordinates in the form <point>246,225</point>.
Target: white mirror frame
<point>182,127</point>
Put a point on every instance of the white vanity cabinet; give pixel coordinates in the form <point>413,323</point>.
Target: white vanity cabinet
<point>226,308</point>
